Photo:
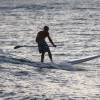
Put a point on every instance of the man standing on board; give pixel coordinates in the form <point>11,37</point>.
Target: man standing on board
<point>42,45</point>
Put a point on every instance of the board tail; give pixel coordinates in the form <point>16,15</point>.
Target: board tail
<point>84,60</point>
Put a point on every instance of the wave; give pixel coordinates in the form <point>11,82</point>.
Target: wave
<point>61,65</point>
<point>86,8</point>
<point>64,65</point>
<point>27,7</point>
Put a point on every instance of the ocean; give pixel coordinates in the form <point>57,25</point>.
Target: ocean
<point>74,27</point>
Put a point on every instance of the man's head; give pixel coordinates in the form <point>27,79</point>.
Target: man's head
<point>46,28</point>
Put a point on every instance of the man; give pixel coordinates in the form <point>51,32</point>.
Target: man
<point>42,45</point>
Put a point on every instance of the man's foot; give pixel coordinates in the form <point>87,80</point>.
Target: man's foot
<point>52,62</point>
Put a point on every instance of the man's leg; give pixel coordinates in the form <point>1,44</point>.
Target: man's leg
<point>50,55</point>
<point>42,56</point>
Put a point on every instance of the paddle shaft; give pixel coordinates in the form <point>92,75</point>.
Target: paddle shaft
<point>19,46</point>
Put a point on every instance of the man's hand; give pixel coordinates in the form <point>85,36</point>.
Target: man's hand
<point>54,45</point>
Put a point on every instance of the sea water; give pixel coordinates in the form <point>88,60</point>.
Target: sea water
<point>74,25</point>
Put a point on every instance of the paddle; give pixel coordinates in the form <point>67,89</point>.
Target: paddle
<point>19,46</point>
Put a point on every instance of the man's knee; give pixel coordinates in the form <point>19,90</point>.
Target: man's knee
<point>49,51</point>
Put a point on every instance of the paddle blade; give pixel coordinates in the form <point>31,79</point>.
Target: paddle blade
<point>16,47</point>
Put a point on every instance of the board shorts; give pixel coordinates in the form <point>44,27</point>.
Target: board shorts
<point>43,47</point>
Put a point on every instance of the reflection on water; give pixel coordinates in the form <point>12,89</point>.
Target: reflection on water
<point>74,23</point>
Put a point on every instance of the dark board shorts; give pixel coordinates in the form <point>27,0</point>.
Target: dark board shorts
<point>43,47</point>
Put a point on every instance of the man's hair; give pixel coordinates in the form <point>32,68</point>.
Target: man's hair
<point>46,28</point>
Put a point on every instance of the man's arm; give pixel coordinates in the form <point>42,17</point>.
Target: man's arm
<point>37,37</point>
<point>51,41</point>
